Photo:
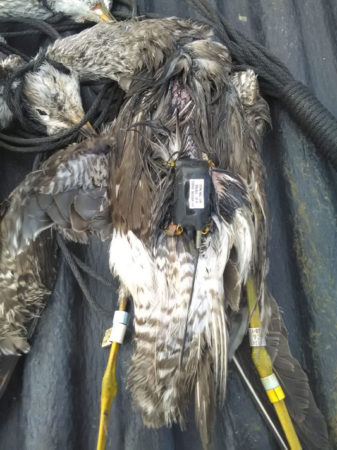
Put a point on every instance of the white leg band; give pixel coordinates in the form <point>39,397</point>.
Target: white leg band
<point>121,317</point>
<point>256,337</point>
<point>117,333</point>
<point>270,382</point>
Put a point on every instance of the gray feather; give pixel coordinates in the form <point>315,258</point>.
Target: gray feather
<point>204,401</point>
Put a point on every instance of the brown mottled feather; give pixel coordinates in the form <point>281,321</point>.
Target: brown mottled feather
<point>69,192</point>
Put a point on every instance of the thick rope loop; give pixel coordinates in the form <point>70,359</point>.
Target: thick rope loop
<point>318,123</point>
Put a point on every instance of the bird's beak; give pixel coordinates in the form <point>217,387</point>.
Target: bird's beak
<point>87,130</point>
<point>103,13</point>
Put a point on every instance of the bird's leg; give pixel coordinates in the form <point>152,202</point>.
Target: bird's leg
<point>123,296</point>
<point>109,382</point>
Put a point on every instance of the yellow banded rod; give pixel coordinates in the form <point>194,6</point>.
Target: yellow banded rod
<point>264,367</point>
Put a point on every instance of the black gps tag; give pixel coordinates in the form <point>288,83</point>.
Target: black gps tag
<point>192,194</point>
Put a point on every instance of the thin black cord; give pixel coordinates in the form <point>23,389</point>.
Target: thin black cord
<point>275,80</point>
<point>9,50</point>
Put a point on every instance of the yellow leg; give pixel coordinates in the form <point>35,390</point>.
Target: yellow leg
<point>264,367</point>
<point>109,389</point>
<point>108,393</point>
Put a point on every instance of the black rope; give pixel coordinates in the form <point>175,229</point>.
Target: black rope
<point>40,25</point>
<point>276,81</point>
<point>319,124</point>
<point>39,144</point>
<point>13,97</point>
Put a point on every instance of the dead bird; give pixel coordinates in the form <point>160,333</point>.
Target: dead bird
<point>60,88</point>
<point>118,51</point>
<point>51,96</point>
<point>121,50</point>
<point>121,187</point>
<point>79,10</point>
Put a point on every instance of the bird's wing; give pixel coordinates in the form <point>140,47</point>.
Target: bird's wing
<point>25,283</point>
<point>68,193</point>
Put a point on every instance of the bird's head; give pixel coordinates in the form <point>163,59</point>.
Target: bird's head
<point>54,98</point>
<point>81,10</point>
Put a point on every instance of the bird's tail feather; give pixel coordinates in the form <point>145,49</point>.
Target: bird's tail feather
<point>204,401</point>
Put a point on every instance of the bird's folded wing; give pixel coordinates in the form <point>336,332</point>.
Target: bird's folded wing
<point>121,50</point>
<point>25,283</point>
<point>69,193</point>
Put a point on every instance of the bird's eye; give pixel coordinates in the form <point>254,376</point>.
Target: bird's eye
<point>41,112</point>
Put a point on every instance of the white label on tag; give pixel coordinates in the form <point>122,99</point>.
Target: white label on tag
<point>196,195</point>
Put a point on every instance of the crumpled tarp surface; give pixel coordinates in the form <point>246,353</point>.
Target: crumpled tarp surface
<point>52,402</point>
